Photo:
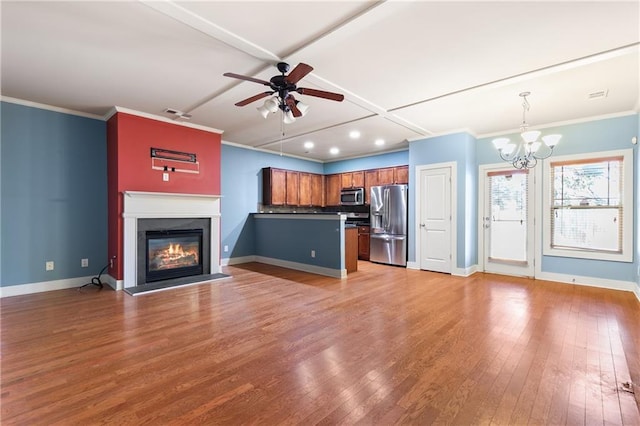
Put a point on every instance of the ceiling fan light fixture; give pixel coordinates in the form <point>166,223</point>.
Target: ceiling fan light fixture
<point>302,107</point>
<point>263,111</point>
<point>271,104</point>
<point>288,117</point>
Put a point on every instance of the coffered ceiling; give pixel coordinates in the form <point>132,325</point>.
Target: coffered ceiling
<point>408,69</point>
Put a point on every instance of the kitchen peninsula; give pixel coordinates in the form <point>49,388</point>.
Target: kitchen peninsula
<point>320,243</point>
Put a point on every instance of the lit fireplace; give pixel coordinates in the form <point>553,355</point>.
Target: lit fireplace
<point>173,254</point>
<point>172,248</point>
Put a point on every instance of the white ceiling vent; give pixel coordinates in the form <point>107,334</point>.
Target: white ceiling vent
<point>598,94</point>
<point>178,113</point>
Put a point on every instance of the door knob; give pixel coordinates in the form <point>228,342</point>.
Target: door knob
<point>422,225</point>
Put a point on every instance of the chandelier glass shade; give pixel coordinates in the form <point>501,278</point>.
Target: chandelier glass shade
<point>276,103</point>
<point>526,153</point>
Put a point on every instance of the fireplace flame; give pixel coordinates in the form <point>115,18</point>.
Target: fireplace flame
<point>174,256</point>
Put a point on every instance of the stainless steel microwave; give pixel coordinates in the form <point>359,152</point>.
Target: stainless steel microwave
<point>352,197</point>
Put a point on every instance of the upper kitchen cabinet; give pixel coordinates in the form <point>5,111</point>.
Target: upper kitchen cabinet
<point>311,189</point>
<point>370,179</point>
<point>393,175</point>
<point>333,184</point>
<point>317,190</point>
<point>353,179</point>
<point>401,175</point>
<point>293,186</point>
<point>274,186</point>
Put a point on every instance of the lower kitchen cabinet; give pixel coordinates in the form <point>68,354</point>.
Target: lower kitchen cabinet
<point>363,242</point>
<point>351,249</point>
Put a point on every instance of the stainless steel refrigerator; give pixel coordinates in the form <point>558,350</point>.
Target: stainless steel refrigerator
<point>388,216</point>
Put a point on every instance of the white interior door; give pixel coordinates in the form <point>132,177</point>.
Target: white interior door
<point>507,221</point>
<point>435,219</point>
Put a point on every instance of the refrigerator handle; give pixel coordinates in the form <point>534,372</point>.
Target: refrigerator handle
<point>386,209</point>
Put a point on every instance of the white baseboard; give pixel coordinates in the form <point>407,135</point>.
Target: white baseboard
<point>112,282</point>
<point>237,260</point>
<point>320,270</point>
<point>459,272</point>
<point>588,281</point>
<point>20,289</point>
<point>465,272</point>
<point>637,292</point>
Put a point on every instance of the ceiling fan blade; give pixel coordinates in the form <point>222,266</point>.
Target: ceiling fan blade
<point>244,77</point>
<point>291,103</point>
<point>253,98</point>
<point>320,94</point>
<point>298,73</point>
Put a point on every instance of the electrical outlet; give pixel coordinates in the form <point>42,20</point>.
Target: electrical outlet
<point>84,263</point>
<point>313,253</point>
<point>226,248</point>
<point>49,265</point>
<point>165,177</point>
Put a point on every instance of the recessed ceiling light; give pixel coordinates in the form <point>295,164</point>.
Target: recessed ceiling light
<point>308,144</point>
<point>379,142</point>
<point>354,134</point>
<point>334,150</point>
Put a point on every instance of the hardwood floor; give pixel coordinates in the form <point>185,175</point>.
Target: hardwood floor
<point>275,346</point>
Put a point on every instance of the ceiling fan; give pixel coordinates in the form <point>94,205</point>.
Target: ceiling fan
<point>283,85</point>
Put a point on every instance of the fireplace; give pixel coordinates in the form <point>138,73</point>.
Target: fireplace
<point>170,248</point>
<point>157,211</point>
<point>173,254</point>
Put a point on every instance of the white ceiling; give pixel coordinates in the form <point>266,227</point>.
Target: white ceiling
<point>408,69</point>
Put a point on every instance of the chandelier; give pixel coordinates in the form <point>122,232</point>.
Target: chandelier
<point>286,104</point>
<point>527,152</point>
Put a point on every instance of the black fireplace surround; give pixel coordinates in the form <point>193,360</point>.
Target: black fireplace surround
<point>169,248</point>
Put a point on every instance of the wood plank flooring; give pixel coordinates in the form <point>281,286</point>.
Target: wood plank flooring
<point>271,346</point>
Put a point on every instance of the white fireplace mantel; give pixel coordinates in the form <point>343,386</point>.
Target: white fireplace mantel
<point>148,205</point>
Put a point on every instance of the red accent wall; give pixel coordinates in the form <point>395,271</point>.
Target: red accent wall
<point>129,142</point>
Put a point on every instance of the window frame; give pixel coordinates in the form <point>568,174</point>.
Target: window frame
<point>627,204</point>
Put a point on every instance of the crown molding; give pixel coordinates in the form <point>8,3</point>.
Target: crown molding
<point>124,110</point>
<point>561,123</point>
<point>49,107</point>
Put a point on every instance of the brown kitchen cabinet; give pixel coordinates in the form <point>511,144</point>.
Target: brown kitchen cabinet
<point>351,249</point>
<point>386,176</point>
<point>305,189</point>
<point>363,242</point>
<point>370,179</point>
<point>401,175</point>
<point>333,185</point>
<point>293,185</point>
<point>393,175</point>
<point>352,179</point>
<point>274,186</point>
<point>317,190</point>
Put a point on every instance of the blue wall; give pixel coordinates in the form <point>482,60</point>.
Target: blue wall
<point>242,188</point>
<point>459,148</point>
<point>241,176</point>
<point>398,158</point>
<point>54,194</point>
<point>293,239</point>
<point>53,183</point>
<point>593,136</point>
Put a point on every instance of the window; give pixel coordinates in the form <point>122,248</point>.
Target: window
<point>586,197</point>
<point>508,198</point>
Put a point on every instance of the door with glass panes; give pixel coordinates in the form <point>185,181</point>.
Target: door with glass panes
<point>507,221</point>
